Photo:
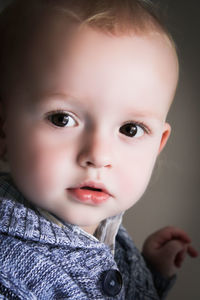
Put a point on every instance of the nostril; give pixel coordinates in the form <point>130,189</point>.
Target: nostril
<point>92,160</point>
<point>88,163</point>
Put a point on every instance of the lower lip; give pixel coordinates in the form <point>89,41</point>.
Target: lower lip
<point>89,196</point>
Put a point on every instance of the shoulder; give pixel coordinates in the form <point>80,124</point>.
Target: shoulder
<point>128,255</point>
<point>136,275</point>
<point>124,243</point>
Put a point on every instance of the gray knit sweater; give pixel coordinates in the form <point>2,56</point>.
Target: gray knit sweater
<point>42,260</point>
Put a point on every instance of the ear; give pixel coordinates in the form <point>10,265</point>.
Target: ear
<point>165,136</point>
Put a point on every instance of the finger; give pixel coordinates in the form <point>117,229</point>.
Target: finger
<point>179,234</point>
<point>172,250</point>
<point>179,258</point>
<point>192,251</point>
<point>171,233</point>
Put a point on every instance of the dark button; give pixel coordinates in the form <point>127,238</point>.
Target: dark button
<point>112,282</point>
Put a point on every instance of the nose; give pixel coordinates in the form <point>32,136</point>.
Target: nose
<point>96,152</point>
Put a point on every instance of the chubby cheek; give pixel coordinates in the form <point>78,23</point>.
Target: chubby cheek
<point>41,169</point>
<point>134,176</point>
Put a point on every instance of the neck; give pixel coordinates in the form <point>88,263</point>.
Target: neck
<point>90,229</point>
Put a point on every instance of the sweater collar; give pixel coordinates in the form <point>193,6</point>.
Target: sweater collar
<point>19,218</point>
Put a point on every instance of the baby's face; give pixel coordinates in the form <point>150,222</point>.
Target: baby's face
<point>94,115</point>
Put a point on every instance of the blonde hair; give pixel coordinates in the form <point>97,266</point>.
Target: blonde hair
<point>22,19</point>
<point>114,16</point>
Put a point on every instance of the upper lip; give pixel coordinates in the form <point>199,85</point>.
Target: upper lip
<point>92,184</point>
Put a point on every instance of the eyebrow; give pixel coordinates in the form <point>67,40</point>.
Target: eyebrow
<point>61,97</point>
<point>143,114</point>
<point>67,98</point>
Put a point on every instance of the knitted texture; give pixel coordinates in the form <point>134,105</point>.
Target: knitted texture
<point>40,260</point>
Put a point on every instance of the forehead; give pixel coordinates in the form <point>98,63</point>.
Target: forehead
<point>135,55</point>
<point>89,64</point>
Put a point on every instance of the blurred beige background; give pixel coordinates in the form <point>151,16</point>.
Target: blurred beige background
<point>173,194</point>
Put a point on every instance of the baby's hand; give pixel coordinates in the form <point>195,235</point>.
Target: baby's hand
<point>166,249</point>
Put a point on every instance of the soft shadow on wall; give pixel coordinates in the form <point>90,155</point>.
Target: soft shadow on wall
<point>173,194</point>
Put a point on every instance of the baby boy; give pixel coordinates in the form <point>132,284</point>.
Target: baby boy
<point>86,86</point>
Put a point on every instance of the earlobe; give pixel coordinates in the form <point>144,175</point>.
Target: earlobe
<point>165,136</point>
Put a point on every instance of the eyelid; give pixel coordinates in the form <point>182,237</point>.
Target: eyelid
<point>141,124</point>
<point>61,111</point>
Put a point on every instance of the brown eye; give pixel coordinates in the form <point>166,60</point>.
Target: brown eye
<point>132,130</point>
<point>62,120</point>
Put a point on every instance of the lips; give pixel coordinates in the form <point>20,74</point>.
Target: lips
<point>90,192</point>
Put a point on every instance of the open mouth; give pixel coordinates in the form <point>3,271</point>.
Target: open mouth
<point>89,194</point>
<point>90,188</point>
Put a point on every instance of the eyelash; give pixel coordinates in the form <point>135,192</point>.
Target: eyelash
<point>140,124</point>
<point>143,126</point>
<point>57,112</point>
<point>134,131</point>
